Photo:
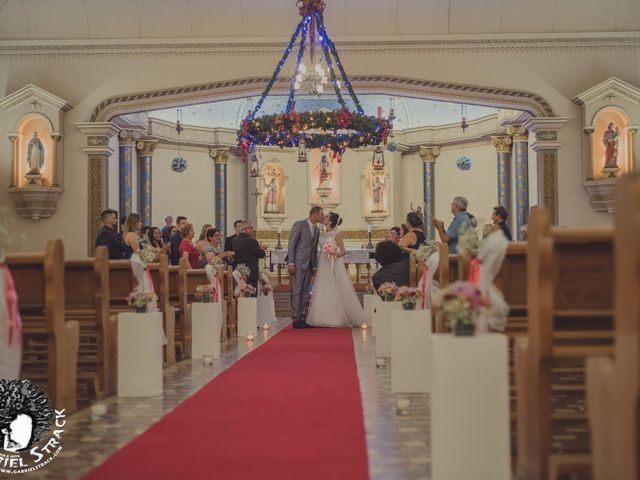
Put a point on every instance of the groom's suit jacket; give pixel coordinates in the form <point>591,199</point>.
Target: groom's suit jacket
<point>303,246</point>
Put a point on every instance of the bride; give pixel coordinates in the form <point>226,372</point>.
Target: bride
<point>334,302</point>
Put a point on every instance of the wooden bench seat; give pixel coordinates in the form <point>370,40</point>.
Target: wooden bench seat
<point>39,281</point>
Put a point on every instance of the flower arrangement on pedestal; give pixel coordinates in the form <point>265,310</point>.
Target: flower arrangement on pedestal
<point>460,303</point>
<point>205,292</point>
<point>425,251</point>
<point>139,300</point>
<point>241,274</point>
<point>408,296</point>
<point>387,291</point>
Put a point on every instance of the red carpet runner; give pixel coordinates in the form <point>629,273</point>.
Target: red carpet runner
<point>289,410</point>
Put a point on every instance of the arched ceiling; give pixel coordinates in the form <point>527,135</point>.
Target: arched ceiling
<point>410,112</point>
<point>236,19</point>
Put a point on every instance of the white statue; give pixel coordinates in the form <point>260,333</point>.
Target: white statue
<point>377,190</point>
<point>35,155</point>
<point>325,168</point>
<point>272,196</point>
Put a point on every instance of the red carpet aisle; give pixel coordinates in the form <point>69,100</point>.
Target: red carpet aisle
<point>289,410</point>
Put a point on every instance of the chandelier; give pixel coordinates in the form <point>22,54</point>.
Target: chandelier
<point>335,130</point>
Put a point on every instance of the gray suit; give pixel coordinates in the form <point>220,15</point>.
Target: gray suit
<point>303,253</point>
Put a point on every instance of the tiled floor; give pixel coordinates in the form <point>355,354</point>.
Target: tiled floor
<point>397,444</point>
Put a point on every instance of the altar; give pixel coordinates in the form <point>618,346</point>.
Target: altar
<point>353,256</point>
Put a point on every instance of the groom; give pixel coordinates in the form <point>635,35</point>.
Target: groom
<point>303,259</point>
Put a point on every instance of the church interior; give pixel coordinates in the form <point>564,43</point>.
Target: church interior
<point>186,185</point>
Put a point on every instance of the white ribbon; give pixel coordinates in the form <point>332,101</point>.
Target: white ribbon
<point>491,254</point>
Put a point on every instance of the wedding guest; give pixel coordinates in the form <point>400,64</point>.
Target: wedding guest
<point>186,249</point>
<point>395,265</point>
<point>393,234</point>
<point>201,238</point>
<point>107,235</point>
<point>156,244</point>
<point>415,237</point>
<point>499,217</point>
<point>248,251</point>
<point>523,232</point>
<point>168,223</point>
<point>228,243</point>
<point>175,240</point>
<point>460,223</point>
<point>403,230</point>
<point>131,235</point>
<point>213,248</point>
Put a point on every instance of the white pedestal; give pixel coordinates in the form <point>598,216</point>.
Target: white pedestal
<point>206,325</point>
<point>367,303</point>
<point>139,354</point>
<point>247,316</point>
<point>376,302</point>
<point>470,407</point>
<point>383,327</point>
<point>410,351</point>
<point>266,310</point>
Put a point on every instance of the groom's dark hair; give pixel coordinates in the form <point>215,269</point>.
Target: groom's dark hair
<point>315,209</point>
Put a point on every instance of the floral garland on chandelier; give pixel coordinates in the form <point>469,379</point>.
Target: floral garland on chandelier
<point>335,130</point>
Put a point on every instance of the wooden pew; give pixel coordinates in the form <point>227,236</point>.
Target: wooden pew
<point>50,345</point>
<point>613,386</point>
<point>512,282</point>
<point>178,300</point>
<point>569,292</point>
<point>232,323</point>
<point>121,284</point>
<point>160,278</point>
<point>87,302</point>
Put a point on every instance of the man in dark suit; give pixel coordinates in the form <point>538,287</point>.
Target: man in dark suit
<point>175,240</point>
<point>248,251</point>
<point>228,243</point>
<point>395,267</point>
<point>107,235</point>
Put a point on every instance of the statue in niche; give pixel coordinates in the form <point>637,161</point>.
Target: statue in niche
<point>377,192</point>
<point>272,196</point>
<point>325,168</point>
<point>610,140</point>
<point>35,155</point>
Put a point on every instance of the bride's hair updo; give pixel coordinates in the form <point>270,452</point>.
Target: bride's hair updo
<point>334,219</point>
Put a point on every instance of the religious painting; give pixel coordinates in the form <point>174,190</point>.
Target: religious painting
<point>611,143</point>
<point>376,191</point>
<point>35,151</point>
<point>324,177</point>
<point>273,192</point>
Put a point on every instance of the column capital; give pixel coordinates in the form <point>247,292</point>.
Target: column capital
<point>129,137</point>
<point>146,147</point>
<point>502,144</point>
<point>429,153</point>
<point>219,155</point>
<point>98,135</point>
<point>518,132</point>
<point>546,132</point>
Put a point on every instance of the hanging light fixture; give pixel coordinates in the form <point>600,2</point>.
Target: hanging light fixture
<point>336,130</point>
<point>378,158</point>
<point>463,162</point>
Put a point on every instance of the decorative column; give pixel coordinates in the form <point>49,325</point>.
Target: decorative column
<point>220,157</point>
<point>520,137</point>
<point>503,151</point>
<point>98,152</point>
<point>429,153</point>
<point>145,153</point>
<point>546,146</point>
<point>128,139</point>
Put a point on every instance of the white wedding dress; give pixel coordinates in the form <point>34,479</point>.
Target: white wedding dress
<point>334,302</point>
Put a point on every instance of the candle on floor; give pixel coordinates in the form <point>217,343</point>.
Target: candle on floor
<point>98,410</point>
<point>207,359</point>
<point>265,326</point>
<point>364,326</point>
<point>403,404</point>
<point>380,362</point>
<point>250,337</point>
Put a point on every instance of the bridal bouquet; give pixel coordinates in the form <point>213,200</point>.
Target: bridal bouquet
<point>387,291</point>
<point>149,254</point>
<point>408,296</point>
<point>460,304</point>
<point>330,248</point>
<point>139,299</point>
<point>205,292</point>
